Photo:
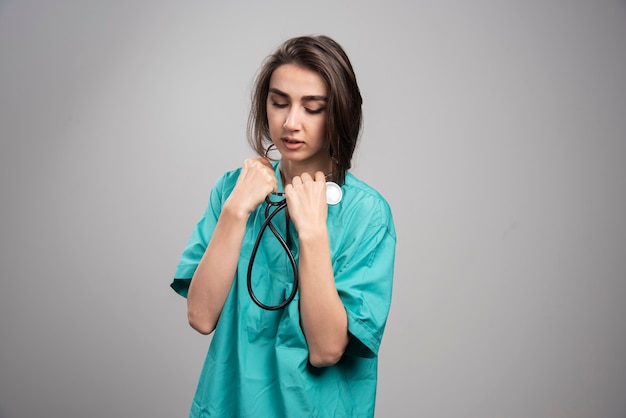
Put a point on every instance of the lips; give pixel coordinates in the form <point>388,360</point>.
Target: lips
<point>291,143</point>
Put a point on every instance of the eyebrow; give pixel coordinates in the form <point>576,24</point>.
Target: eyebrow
<point>304,98</point>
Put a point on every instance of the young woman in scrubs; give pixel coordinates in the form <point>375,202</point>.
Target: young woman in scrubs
<point>317,356</point>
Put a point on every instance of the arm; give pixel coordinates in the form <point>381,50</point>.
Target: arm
<point>323,316</point>
<point>214,275</point>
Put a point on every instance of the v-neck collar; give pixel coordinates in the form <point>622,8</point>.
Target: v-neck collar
<point>279,177</point>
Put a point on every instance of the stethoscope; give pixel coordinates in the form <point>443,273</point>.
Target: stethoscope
<point>333,196</point>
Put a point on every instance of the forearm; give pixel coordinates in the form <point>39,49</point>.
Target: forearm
<point>323,315</point>
<point>214,275</point>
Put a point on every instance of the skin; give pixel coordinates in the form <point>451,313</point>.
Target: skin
<point>296,109</point>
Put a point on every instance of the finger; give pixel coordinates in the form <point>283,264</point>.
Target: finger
<point>319,176</point>
<point>296,180</point>
<point>248,162</point>
<point>266,162</point>
<point>306,177</point>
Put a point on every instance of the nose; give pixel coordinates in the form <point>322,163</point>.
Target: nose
<point>292,122</point>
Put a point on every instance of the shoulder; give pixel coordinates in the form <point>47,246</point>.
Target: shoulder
<point>363,196</point>
<point>362,200</point>
<point>221,189</point>
<point>226,182</point>
<point>230,176</point>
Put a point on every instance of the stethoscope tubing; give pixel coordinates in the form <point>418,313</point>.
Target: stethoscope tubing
<point>280,205</point>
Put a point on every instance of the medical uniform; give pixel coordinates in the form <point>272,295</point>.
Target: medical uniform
<point>257,364</point>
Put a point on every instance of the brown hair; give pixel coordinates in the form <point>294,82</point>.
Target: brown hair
<point>327,58</point>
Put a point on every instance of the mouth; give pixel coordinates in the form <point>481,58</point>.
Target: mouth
<point>292,143</point>
<point>291,140</point>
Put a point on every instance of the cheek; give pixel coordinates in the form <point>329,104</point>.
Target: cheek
<point>321,128</point>
<point>274,121</point>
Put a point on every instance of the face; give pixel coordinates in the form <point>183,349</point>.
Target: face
<point>296,113</point>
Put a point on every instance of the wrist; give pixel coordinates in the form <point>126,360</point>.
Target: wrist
<point>235,212</point>
<point>314,234</point>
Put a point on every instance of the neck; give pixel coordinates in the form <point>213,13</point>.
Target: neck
<point>290,169</point>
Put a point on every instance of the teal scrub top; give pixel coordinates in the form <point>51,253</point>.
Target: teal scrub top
<point>257,364</point>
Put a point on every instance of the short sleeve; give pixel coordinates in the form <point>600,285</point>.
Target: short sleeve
<point>197,243</point>
<point>364,283</point>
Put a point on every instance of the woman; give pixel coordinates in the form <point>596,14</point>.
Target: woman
<point>317,355</point>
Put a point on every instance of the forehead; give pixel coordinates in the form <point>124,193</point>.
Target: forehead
<point>297,81</point>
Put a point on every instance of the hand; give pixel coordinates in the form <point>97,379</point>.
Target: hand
<point>256,180</point>
<point>306,202</point>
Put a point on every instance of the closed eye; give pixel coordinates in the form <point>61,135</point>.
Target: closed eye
<point>315,111</point>
<point>279,105</point>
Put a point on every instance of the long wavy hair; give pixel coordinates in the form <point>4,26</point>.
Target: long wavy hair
<point>327,58</point>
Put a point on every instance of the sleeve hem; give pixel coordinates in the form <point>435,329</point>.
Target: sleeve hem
<point>181,286</point>
<point>363,342</point>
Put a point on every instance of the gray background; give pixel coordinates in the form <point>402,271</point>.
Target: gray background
<point>496,130</point>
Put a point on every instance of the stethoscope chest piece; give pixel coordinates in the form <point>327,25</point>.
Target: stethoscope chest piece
<point>333,193</point>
